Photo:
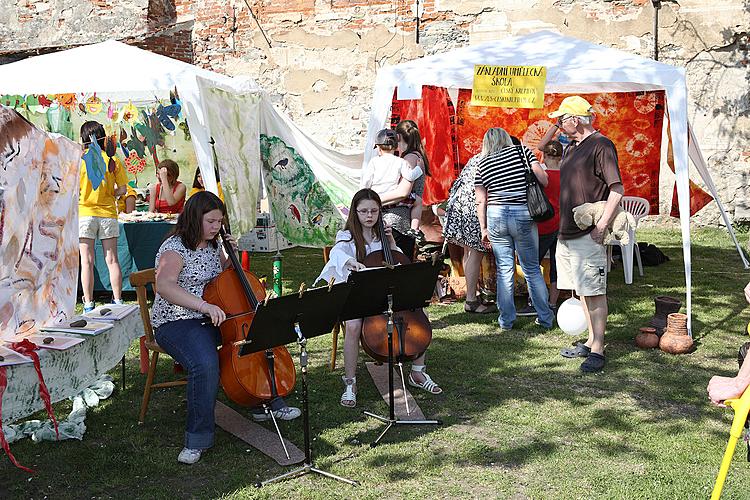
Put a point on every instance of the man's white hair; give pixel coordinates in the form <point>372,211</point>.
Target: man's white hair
<point>584,120</point>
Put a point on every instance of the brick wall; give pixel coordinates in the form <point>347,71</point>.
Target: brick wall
<point>175,43</point>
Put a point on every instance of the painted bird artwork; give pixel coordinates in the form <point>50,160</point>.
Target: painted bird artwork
<point>282,163</point>
<point>295,212</point>
<point>303,210</point>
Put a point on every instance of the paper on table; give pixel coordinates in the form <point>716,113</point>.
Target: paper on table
<point>111,312</point>
<point>90,328</point>
<point>58,342</point>
<point>11,357</point>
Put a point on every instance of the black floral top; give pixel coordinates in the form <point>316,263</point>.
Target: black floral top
<point>199,267</point>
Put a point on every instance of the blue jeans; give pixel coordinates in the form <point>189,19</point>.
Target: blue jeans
<point>511,229</point>
<point>194,347</point>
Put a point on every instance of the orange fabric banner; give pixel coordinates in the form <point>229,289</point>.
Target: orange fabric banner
<point>434,115</point>
<point>632,120</point>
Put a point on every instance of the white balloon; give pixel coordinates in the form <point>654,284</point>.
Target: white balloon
<point>570,317</point>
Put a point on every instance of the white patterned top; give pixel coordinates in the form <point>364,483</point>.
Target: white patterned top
<point>199,268</point>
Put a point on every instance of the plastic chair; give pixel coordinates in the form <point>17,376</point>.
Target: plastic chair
<point>638,207</point>
<point>741,408</point>
<point>140,280</point>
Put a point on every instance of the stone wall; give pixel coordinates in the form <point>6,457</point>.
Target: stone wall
<point>318,58</point>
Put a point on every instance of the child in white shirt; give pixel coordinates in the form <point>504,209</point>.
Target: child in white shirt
<point>384,172</point>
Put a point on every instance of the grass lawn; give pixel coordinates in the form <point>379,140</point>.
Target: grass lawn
<point>519,420</point>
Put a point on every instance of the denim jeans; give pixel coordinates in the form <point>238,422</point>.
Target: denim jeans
<point>511,229</point>
<point>194,347</point>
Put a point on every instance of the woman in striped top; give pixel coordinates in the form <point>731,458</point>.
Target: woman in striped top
<point>500,186</point>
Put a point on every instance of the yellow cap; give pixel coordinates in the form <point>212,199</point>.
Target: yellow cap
<point>574,105</point>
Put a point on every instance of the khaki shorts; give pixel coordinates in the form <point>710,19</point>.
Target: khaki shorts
<point>98,227</point>
<point>582,266</point>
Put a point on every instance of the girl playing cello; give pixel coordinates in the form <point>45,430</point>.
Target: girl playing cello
<point>353,244</point>
<point>186,262</point>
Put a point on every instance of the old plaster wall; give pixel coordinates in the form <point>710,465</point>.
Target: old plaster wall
<point>318,58</point>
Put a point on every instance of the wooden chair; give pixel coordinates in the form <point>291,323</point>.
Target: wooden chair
<point>338,327</point>
<point>140,280</point>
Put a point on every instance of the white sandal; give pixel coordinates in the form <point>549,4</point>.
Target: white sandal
<point>349,397</point>
<point>428,385</point>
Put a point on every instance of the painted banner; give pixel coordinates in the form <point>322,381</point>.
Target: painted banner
<point>508,86</point>
<point>38,226</point>
<point>632,120</point>
<point>234,125</point>
<point>145,131</point>
<point>434,115</point>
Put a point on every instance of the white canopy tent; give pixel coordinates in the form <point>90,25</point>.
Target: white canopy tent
<point>86,69</point>
<point>573,66</point>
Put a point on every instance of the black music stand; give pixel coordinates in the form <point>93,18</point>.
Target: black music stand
<point>385,291</point>
<point>291,318</point>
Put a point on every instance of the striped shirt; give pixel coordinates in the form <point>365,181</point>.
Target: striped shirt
<point>503,174</point>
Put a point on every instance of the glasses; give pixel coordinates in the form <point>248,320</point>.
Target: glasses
<point>562,120</point>
<point>373,211</point>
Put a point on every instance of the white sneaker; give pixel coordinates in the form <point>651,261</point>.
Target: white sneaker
<point>189,456</point>
<point>286,413</point>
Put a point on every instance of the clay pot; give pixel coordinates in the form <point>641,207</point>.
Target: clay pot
<point>664,306</point>
<point>647,339</point>
<point>675,343</point>
<point>675,339</point>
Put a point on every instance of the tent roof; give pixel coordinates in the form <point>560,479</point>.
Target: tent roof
<point>107,68</point>
<point>572,65</point>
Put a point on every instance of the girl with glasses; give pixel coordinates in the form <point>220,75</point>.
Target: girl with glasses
<point>353,244</point>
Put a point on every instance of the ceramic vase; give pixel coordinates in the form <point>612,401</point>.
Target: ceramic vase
<point>664,306</point>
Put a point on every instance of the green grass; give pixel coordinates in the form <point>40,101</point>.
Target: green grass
<point>519,420</point>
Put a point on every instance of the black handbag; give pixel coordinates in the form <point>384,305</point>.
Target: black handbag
<point>540,209</point>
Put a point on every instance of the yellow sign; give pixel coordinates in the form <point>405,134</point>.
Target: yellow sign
<point>509,86</point>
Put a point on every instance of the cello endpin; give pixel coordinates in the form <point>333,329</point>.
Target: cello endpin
<point>330,283</point>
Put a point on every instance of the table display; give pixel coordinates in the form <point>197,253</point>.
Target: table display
<point>67,372</point>
<point>136,248</point>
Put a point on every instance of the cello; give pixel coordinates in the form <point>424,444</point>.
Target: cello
<point>412,332</point>
<point>255,378</point>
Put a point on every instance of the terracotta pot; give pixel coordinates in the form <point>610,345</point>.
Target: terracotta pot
<point>675,343</point>
<point>664,306</point>
<point>647,340</point>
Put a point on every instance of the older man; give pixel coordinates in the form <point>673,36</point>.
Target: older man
<point>589,172</point>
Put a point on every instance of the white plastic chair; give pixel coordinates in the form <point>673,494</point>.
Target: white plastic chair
<point>638,207</point>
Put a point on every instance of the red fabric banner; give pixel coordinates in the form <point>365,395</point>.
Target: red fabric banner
<point>632,120</point>
<point>434,115</point>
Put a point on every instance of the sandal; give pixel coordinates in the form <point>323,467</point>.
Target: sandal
<point>349,397</point>
<point>428,385</point>
<point>579,351</point>
<point>476,306</point>
<point>593,363</point>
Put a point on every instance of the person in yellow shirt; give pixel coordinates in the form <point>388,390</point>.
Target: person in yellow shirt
<point>198,184</point>
<point>97,215</point>
<point>126,203</point>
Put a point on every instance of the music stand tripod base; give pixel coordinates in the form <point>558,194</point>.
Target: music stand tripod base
<point>283,320</point>
<point>399,288</point>
<point>391,419</point>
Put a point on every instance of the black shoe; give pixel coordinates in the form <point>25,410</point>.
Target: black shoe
<point>593,363</point>
<point>526,311</point>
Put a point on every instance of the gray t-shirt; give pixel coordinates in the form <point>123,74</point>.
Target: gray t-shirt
<point>198,269</point>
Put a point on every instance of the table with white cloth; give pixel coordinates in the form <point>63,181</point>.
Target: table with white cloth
<point>67,372</point>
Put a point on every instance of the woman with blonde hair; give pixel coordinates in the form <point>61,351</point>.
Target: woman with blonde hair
<point>507,227</point>
<point>462,224</point>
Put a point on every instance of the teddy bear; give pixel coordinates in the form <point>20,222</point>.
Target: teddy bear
<point>588,214</point>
